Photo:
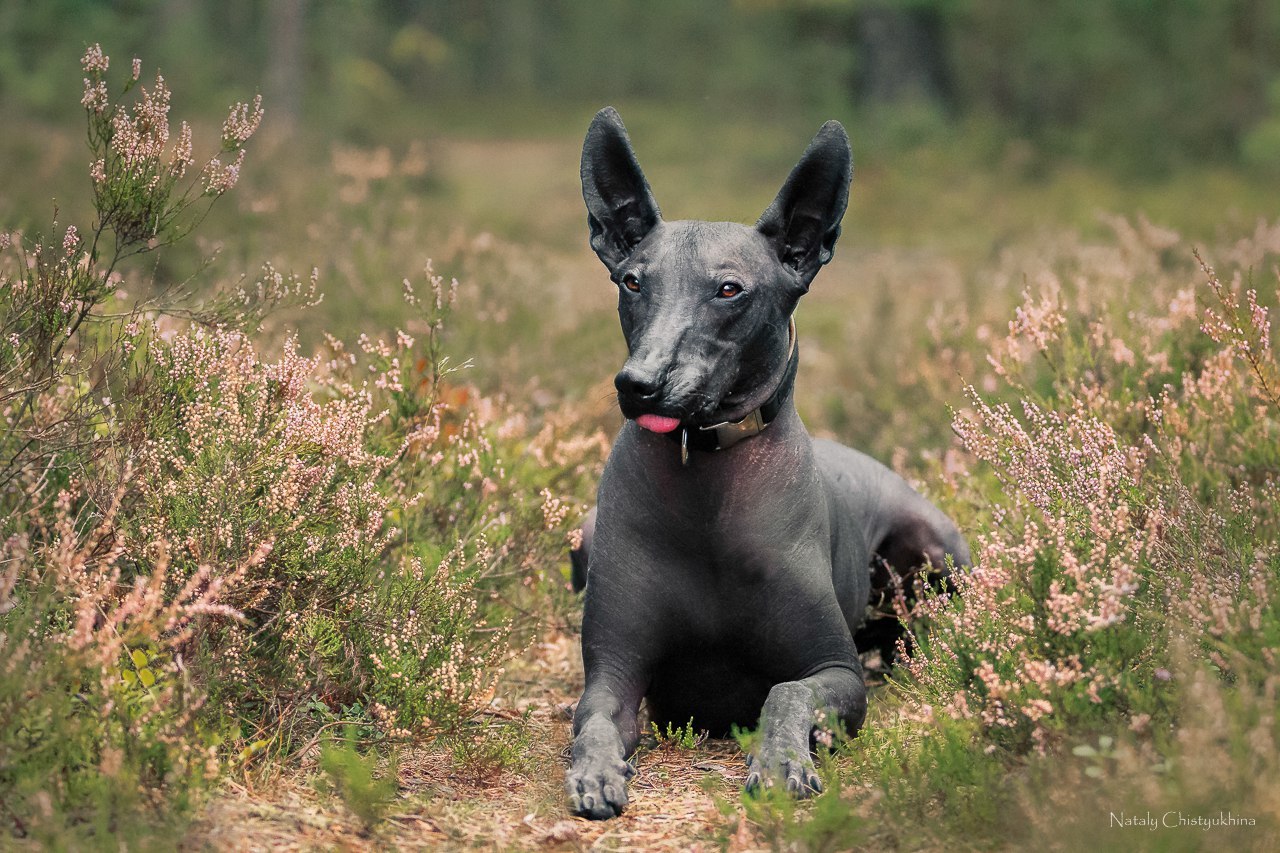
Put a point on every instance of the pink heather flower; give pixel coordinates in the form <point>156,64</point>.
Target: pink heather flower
<point>242,121</point>
<point>140,140</point>
<point>95,96</point>
<point>137,68</point>
<point>1120,353</point>
<point>98,171</point>
<point>1183,306</point>
<point>94,59</point>
<point>1038,323</point>
<point>152,117</point>
<point>181,157</point>
<point>71,241</point>
<point>554,510</point>
<point>125,139</point>
<point>1258,318</point>
<point>219,178</point>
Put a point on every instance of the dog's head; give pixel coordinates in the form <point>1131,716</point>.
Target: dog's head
<point>706,306</point>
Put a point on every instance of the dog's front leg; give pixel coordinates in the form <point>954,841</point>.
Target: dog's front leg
<point>605,732</point>
<point>790,712</point>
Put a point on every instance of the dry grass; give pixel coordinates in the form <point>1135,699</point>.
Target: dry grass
<point>673,795</point>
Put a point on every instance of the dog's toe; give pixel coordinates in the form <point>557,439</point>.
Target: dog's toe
<point>802,779</point>
<point>798,776</point>
<point>598,793</point>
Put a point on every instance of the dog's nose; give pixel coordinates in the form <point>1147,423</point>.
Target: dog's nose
<point>636,385</point>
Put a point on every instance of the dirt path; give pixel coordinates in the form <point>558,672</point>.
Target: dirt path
<point>673,796</point>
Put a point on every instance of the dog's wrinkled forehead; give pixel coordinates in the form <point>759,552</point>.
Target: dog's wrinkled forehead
<point>692,248</point>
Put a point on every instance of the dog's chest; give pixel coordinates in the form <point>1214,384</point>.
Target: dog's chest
<point>763,615</point>
<point>715,685</point>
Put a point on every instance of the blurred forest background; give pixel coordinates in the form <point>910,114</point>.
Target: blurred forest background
<point>1141,86</point>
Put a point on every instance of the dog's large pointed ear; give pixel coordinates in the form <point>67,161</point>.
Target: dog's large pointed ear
<point>804,220</point>
<point>620,206</point>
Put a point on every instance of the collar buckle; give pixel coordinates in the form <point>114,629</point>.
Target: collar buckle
<point>730,433</point>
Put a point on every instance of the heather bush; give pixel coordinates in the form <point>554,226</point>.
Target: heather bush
<point>217,548</point>
<point>1138,511</point>
<point>1125,446</point>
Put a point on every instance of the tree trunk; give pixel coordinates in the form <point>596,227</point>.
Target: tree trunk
<point>285,20</point>
<point>900,55</point>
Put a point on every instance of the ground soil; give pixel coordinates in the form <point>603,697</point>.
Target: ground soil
<point>442,806</point>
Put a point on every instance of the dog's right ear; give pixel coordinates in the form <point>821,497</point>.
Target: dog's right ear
<point>620,206</point>
<point>804,220</point>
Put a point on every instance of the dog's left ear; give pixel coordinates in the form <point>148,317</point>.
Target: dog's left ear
<point>804,220</point>
<point>620,206</point>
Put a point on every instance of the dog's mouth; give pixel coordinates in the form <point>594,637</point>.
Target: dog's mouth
<point>669,420</point>
<point>663,412</point>
<point>667,415</point>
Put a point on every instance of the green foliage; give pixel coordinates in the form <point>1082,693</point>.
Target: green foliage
<point>1042,66</point>
<point>81,744</point>
<point>829,822</point>
<point>677,737</point>
<point>483,750</point>
<point>366,784</point>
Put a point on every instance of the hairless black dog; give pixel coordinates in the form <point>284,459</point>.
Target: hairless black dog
<point>729,561</point>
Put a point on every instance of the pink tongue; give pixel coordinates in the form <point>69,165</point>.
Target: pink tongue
<point>657,423</point>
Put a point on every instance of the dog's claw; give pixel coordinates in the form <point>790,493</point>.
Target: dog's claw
<point>798,776</point>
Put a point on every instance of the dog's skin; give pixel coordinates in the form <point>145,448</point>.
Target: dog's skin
<point>727,589</point>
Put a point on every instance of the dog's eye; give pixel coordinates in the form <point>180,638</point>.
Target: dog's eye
<point>631,282</point>
<point>728,290</point>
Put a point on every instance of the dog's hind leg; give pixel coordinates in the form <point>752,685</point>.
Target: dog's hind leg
<point>904,533</point>
<point>915,537</point>
<point>900,525</point>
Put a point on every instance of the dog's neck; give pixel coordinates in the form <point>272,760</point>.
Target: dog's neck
<point>748,419</point>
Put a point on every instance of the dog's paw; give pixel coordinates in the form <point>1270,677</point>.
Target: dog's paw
<point>798,775</point>
<point>599,790</point>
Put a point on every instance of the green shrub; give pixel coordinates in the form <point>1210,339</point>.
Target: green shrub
<point>677,737</point>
